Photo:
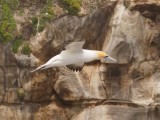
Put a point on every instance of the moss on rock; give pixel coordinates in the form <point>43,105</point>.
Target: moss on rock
<point>72,6</point>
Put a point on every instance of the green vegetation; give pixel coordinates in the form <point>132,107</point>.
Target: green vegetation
<point>20,93</point>
<point>16,44</point>
<point>42,24</point>
<point>72,6</point>
<point>38,24</point>
<point>21,46</point>
<point>34,21</point>
<point>34,24</point>
<point>21,12</point>
<point>46,17</point>
<point>26,49</point>
<point>47,14</point>
<point>7,22</point>
<point>48,8</point>
<point>13,4</point>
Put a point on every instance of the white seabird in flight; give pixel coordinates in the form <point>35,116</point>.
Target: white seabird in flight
<point>74,55</point>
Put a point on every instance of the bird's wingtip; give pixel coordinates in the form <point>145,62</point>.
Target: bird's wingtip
<point>39,68</point>
<point>32,71</point>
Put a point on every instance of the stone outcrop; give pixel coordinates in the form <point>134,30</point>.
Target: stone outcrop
<point>127,30</point>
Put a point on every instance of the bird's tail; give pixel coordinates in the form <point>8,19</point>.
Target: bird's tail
<point>39,68</point>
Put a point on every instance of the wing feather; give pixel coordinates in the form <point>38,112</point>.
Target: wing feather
<point>75,46</point>
<point>75,67</point>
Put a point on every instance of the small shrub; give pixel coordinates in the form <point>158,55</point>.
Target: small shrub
<point>34,21</point>
<point>48,8</point>
<point>7,24</point>
<point>20,93</point>
<point>34,25</point>
<point>43,19</point>
<point>47,17</point>
<point>13,4</point>
<point>47,14</point>
<point>72,6</point>
<point>21,12</point>
<point>26,49</point>
<point>16,44</point>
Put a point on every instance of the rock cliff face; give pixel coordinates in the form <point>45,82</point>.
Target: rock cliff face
<point>128,30</point>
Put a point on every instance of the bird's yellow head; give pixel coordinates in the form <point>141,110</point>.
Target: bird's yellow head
<point>101,54</point>
<point>106,58</point>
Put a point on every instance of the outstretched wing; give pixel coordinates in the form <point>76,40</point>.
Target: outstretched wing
<point>75,46</point>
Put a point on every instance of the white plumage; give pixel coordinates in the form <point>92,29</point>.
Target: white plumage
<point>74,55</point>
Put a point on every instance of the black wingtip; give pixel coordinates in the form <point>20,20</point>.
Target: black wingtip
<point>74,68</point>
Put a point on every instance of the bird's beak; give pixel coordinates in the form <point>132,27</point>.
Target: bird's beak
<point>109,60</point>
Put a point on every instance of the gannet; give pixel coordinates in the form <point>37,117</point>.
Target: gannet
<point>74,55</point>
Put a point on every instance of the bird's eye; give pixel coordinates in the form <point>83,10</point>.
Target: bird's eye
<point>106,56</point>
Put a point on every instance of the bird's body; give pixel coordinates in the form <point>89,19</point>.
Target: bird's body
<point>73,55</point>
<point>78,57</point>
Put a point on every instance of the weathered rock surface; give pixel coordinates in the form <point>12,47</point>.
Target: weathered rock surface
<point>18,112</point>
<point>110,112</point>
<point>50,112</point>
<point>72,28</point>
<point>128,30</point>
